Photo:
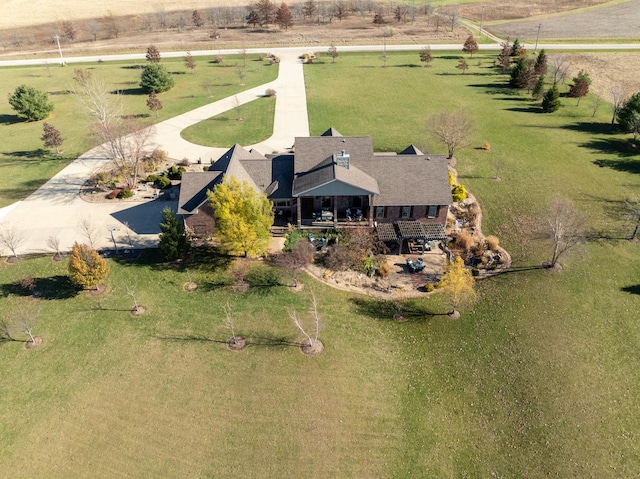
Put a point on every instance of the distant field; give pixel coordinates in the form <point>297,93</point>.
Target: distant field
<point>607,22</point>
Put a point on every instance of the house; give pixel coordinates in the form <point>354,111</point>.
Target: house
<point>329,180</point>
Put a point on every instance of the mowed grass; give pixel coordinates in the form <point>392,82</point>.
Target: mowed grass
<point>24,166</point>
<point>252,124</point>
<point>540,378</point>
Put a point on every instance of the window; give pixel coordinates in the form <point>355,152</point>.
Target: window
<point>432,212</point>
<point>281,203</point>
<point>327,202</point>
<point>356,202</point>
<point>406,212</point>
<point>379,212</point>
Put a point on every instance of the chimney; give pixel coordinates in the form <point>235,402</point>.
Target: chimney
<point>342,159</point>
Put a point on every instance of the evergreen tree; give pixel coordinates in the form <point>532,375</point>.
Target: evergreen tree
<point>156,78</point>
<point>243,216</point>
<point>516,48</point>
<point>173,242</point>
<point>51,137</point>
<point>30,103</point>
<point>538,89</point>
<point>87,269</point>
<point>540,66</point>
<point>629,116</point>
<point>551,101</point>
<point>470,46</point>
<point>517,71</point>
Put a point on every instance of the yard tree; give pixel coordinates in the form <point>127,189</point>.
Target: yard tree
<point>425,55</point>
<point>470,46</point>
<point>333,53</point>
<point>155,77</point>
<point>190,62</point>
<point>252,17</point>
<point>618,95</point>
<point>153,54</point>
<point>12,238</point>
<point>458,284</point>
<point>87,269</point>
<point>629,116</point>
<point>311,345</point>
<point>538,89</point>
<point>51,137</point>
<point>30,103</point>
<point>96,101</point>
<point>516,49</point>
<point>295,259</point>
<point>462,65</point>
<point>540,67</point>
<point>284,18</point>
<point>68,31</point>
<point>504,58</point>
<point>566,228</point>
<point>173,242</point>
<point>551,100</point>
<point>266,11</point>
<point>559,67</point>
<point>451,128</point>
<point>243,216</point>
<point>21,318</point>
<point>153,103</point>
<point>521,74</point>
<point>580,86</point>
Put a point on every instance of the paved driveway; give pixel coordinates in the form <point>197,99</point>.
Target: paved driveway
<point>56,208</point>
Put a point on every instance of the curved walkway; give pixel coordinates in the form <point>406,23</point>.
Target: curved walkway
<point>56,209</point>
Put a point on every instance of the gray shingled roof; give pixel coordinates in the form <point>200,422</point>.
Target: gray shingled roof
<point>311,151</point>
<point>411,150</point>
<point>193,189</point>
<point>274,175</point>
<point>328,178</point>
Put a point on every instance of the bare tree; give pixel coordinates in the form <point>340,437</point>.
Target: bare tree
<point>88,230</point>
<point>237,107</point>
<point>452,128</point>
<point>125,141</point>
<point>207,85</point>
<point>137,309</point>
<point>235,342</point>
<point>333,53</point>
<point>94,29</point>
<point>566,228</point>
<point>559,68</point>
<point>12,238</point>
<point>53,242</point>
<point>21,319</point>
<point>595,105</point>
<point>313,344</point>
<point>632,214</point>
<point>618,99</point>
<point>498,166</point>
<point>95,100</point>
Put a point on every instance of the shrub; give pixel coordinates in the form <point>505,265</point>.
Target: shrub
<point>293,237</point>
<point>464,241</point>
<point>270,92</point>
<point>492,242</point>
<point>152,178</point>
<point>28,283</point>
<point>175,172</point>
<point>384,270</point>
<point>452,179</point>
<point>184,162</point>
<point>125,193</point>
<point>486,146</point>
<point>428,287</point>
<point>459,193</point>
<point>114,194</point>
<point>475,272</point>
<point>218,59</point>
<point>162,182</point>
<point>478,250</point>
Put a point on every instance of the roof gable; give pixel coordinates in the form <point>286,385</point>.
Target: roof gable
<point>193,189</point>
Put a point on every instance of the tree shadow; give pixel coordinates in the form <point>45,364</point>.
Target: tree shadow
<point>628,166</point>
<point>635,289</point>
<point>51,288</point>
<point>617,146</point>
<point>591,127</point>
<point>388,309</point>
<point>132,67</point>
<point>130,91</point>
<point>207,257</point>
<point>262,339</point>
<point>262,279</point>
<point>530,109</point>
<point>9,119</point>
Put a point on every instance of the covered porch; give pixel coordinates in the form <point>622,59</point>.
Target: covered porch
<point>336,210</point>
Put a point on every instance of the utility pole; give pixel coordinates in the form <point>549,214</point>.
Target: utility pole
<point>537,37</point>
<point>60,50</point>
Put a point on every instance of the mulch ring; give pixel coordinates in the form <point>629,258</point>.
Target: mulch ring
<point>138,310</point>
<point>190,286</point>
<point>311,350</point>
<point>237,343</point>
<point>33,344</point>
<point>98,290</point>
<point>59,257</point>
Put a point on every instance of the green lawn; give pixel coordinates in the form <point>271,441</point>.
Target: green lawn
<point>539,379</point>
<point>256,125</point>
<point>24,167</point>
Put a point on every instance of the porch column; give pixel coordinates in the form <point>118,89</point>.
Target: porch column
<point>335,211</point>
<point>370,211</point>
<point>299,212</point>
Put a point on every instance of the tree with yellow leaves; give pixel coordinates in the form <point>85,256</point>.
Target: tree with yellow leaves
<point>87,268</point>
<point>243,216</point>
<point>458,283</point>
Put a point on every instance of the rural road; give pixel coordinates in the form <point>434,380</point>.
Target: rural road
<point>55,209</point>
